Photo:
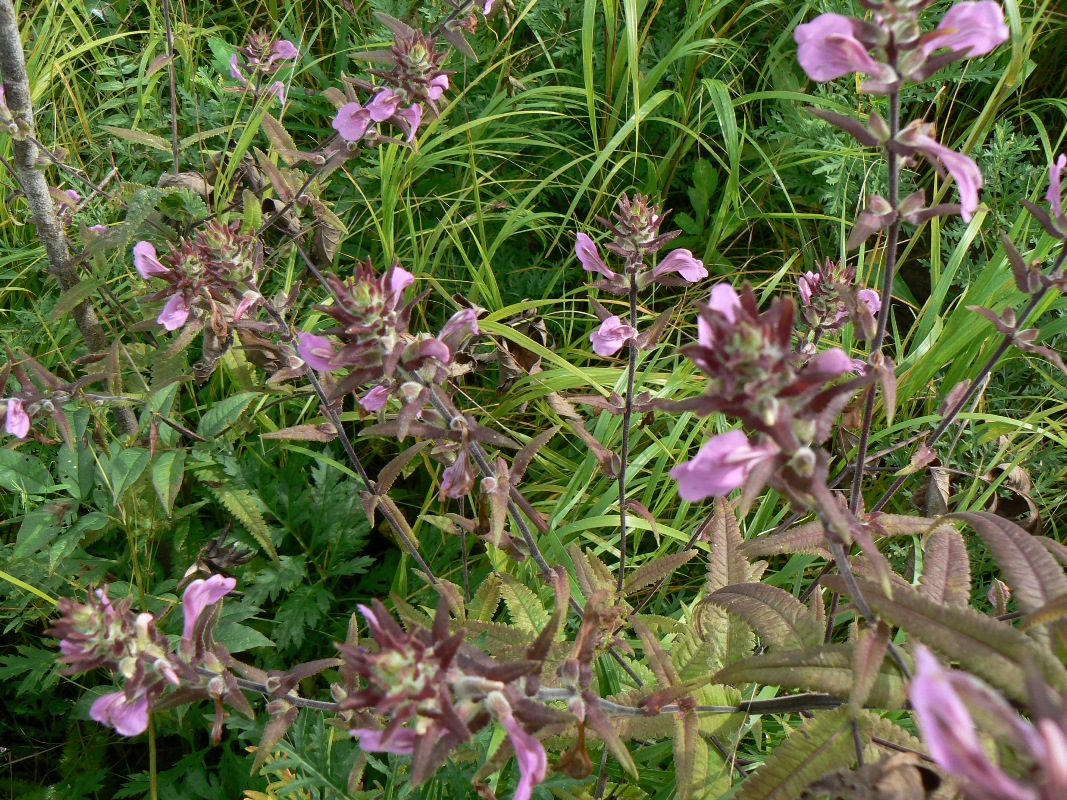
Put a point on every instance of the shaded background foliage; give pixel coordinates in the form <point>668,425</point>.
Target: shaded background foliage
<point>697,103</point>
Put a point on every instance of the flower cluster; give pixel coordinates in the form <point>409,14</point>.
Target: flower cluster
<point>756,375</point>
<point>213,273</point>
<point>829,299</point>
<point>374,344</point>
<point>943,701</point>
<point>892,49</point>
<point>99,633</point>
<point>414,83</point>
<point>436,692</point>
<point>264,56</point>
<point>636,240</point>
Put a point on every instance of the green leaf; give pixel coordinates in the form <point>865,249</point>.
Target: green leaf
<point>39,527</point>
<point>244,507</point>
<point>223,414</point>
<point>820,745</point>
<point>992,650</point>
<point>139,137</point>
<point>727,565</point>
<point>237,638</point>
<point>22,472</point>
<point>125,468</point>
<point>526,609</point>
<point>826,668</point>
<point>773,613</point>
<point>72,297</point>
<point>167,474</point>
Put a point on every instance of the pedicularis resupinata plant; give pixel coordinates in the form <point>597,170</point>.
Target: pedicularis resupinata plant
<point>529,662</point>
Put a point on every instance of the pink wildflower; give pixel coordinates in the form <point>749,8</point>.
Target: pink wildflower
<point>316,351</point>
<point>127,717</point>
<point>962,168</point>
<point>174,313</point>
<point>198,596</point>
<point>146,261</point>
<point>352,121</point>
<point>1054,195</point>
<point>412,118</point>
<point>610,337</point>
<point>681,261</point>
<point>589,256</point>
<point>827,48</point>
<point>720,466</point>
<point>16,420</point>
<point>375,398</point>
<point>437,87</point>
<point>970,28</point>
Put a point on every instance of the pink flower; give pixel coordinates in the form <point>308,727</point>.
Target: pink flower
<point>412,118</point>
<point>316,350</point>
<point>724,301</point>
<point>352,121</point>
<point>947,728</point>
<point>827,48</point>
<point>806,285</point>
<point>278,90</point>
<point>146,262</point>
<point>460,325</point>
<point>399,280</point>
<point>962,168</point>
<point>375,398</point>
<point>871,299</point>
<point>720,466</point>
<point>612,334</point>
<point>437,87</point>
<point>383,105</point>
<point>235,70</point>
<point>127,717</point>
<point>248,300</point>
<point>98,228</point>
<point>198,596</point>
<point>487,7</point>
<point>174,313</point>
<point>682,262</point>
<point>589,256</point>
<point>457,479</point>
<point>833,362</point>
<point>16,420</point>
<point>970,28</point>
<point>1054,195</point>
<point>284,50</point>
<point>530,755</point>
<point>373,741</point>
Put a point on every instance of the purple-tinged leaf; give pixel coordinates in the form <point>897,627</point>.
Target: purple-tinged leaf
<point>827,668</point>
<point>273,732</point>
<point>992,650</point>
<point>728,564</point>
<point>324,432</point>
<point>654,570</point>
<point>391,471</point>
<point>821,744</point>
<point>806,538</point>
<point>522,459</point>
<point>778,617</point>
<point>596,719</point>
<point>850,125</point>
<point>1032,573</point>
<point>401,29</point>
<point>946,575</point>
<point>868,656</point>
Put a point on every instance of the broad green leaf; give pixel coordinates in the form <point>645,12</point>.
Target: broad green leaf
<point>125,468</point>
<point>22,472</point>
<point>39,527</point>
<point>167,474</point>
<point>223,414</point>
<point>820,745</point>
<point>777,616</point>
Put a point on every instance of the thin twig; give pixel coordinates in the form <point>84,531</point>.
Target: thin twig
<point>627,415</point>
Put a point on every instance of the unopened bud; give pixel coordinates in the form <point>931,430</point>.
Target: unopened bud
<point>803,462</point>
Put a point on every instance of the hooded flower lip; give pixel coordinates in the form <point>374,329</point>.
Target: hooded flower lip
<point>147,262</point>
<point>174,314</point>
<point>401,741</point>
<point>530,756</point>
<point>437,87</point>
<point>827,48</point>
<point>721,465</point>
<point>375,398</point>
<point>589,256</point>
<point>316,351</point>
<point>962,168</point>
<point>610,337</point>
<point>283,49</point>
<point>198,596</point>
<point>351,121</point>
<point>681,261</point>
<point>969,28</point>
<point>412,118</point>
<point>127,717</point>
<point>724,300</point>
<point>383,106</point>
<point>16,420</point>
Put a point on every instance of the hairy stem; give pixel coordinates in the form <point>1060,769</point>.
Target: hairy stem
<point>173,88</point>
<point>627,415</point>
<point>891,247</point>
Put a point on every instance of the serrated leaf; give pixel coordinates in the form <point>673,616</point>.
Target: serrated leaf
<point>167,474</point>
<point>820,745</point>
<point>727,564</point>
<point>72,297</point>
<point>1032,573</point>
<point>652,571</point>
<point>778,617</point>
<point>990,649</point>
<point>483,605</point>
<point>946,575</point>
<point>1053,611</point>
<point>526,609</point>
<point>868,656</point>
<point>807,538</point>
<point>223,414</point>
<point>827,668</point>
<point>691,758</point>
<point>125,468</point>
<point>139,137</point>
<point>279,137</point>
<point>242,504</point>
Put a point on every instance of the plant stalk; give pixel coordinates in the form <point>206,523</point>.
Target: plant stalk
<point>627,415</point>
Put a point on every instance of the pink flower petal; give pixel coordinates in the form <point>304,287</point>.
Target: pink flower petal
<point>530,756</point>
<point>372,741</point>
<point>610,337</point>
<point>284,49</point>
<point>589,256</point>
<point>720,466</point>
<point>146,262</point>
<point>351,122</point>
<point>128,718</point>
<point>317,351</point>
<point>827,48</point>
<point>198,596</point>
<point>383,106</point>
<point>1054,194</point>
<point>16,420</point>
<point>681,261</point>
<point>174,313</point>
<point>375,398</point>
<point>437,87</point>
<point>970,28</point>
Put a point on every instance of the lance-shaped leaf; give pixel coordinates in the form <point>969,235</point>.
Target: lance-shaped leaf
<point>525,608</point>
<point>538,651</point>
<point>592,574</point>
<point>868,656</point>
<point>273,732</point>
<point>324,432</point>
<point>806,538</point>
<point>946,576</point>
<point>820,745</point>
<point>1032,573</point>
<point>391,471</point>
<point>596,719</point>
<point>851,125</point>
<point>778,617</point>
<point>992,650</point>
<point>727,564</point>
<point>691,758</point>
<point>529,450</point>
<point>654,570</point>
<point>826,669</point>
